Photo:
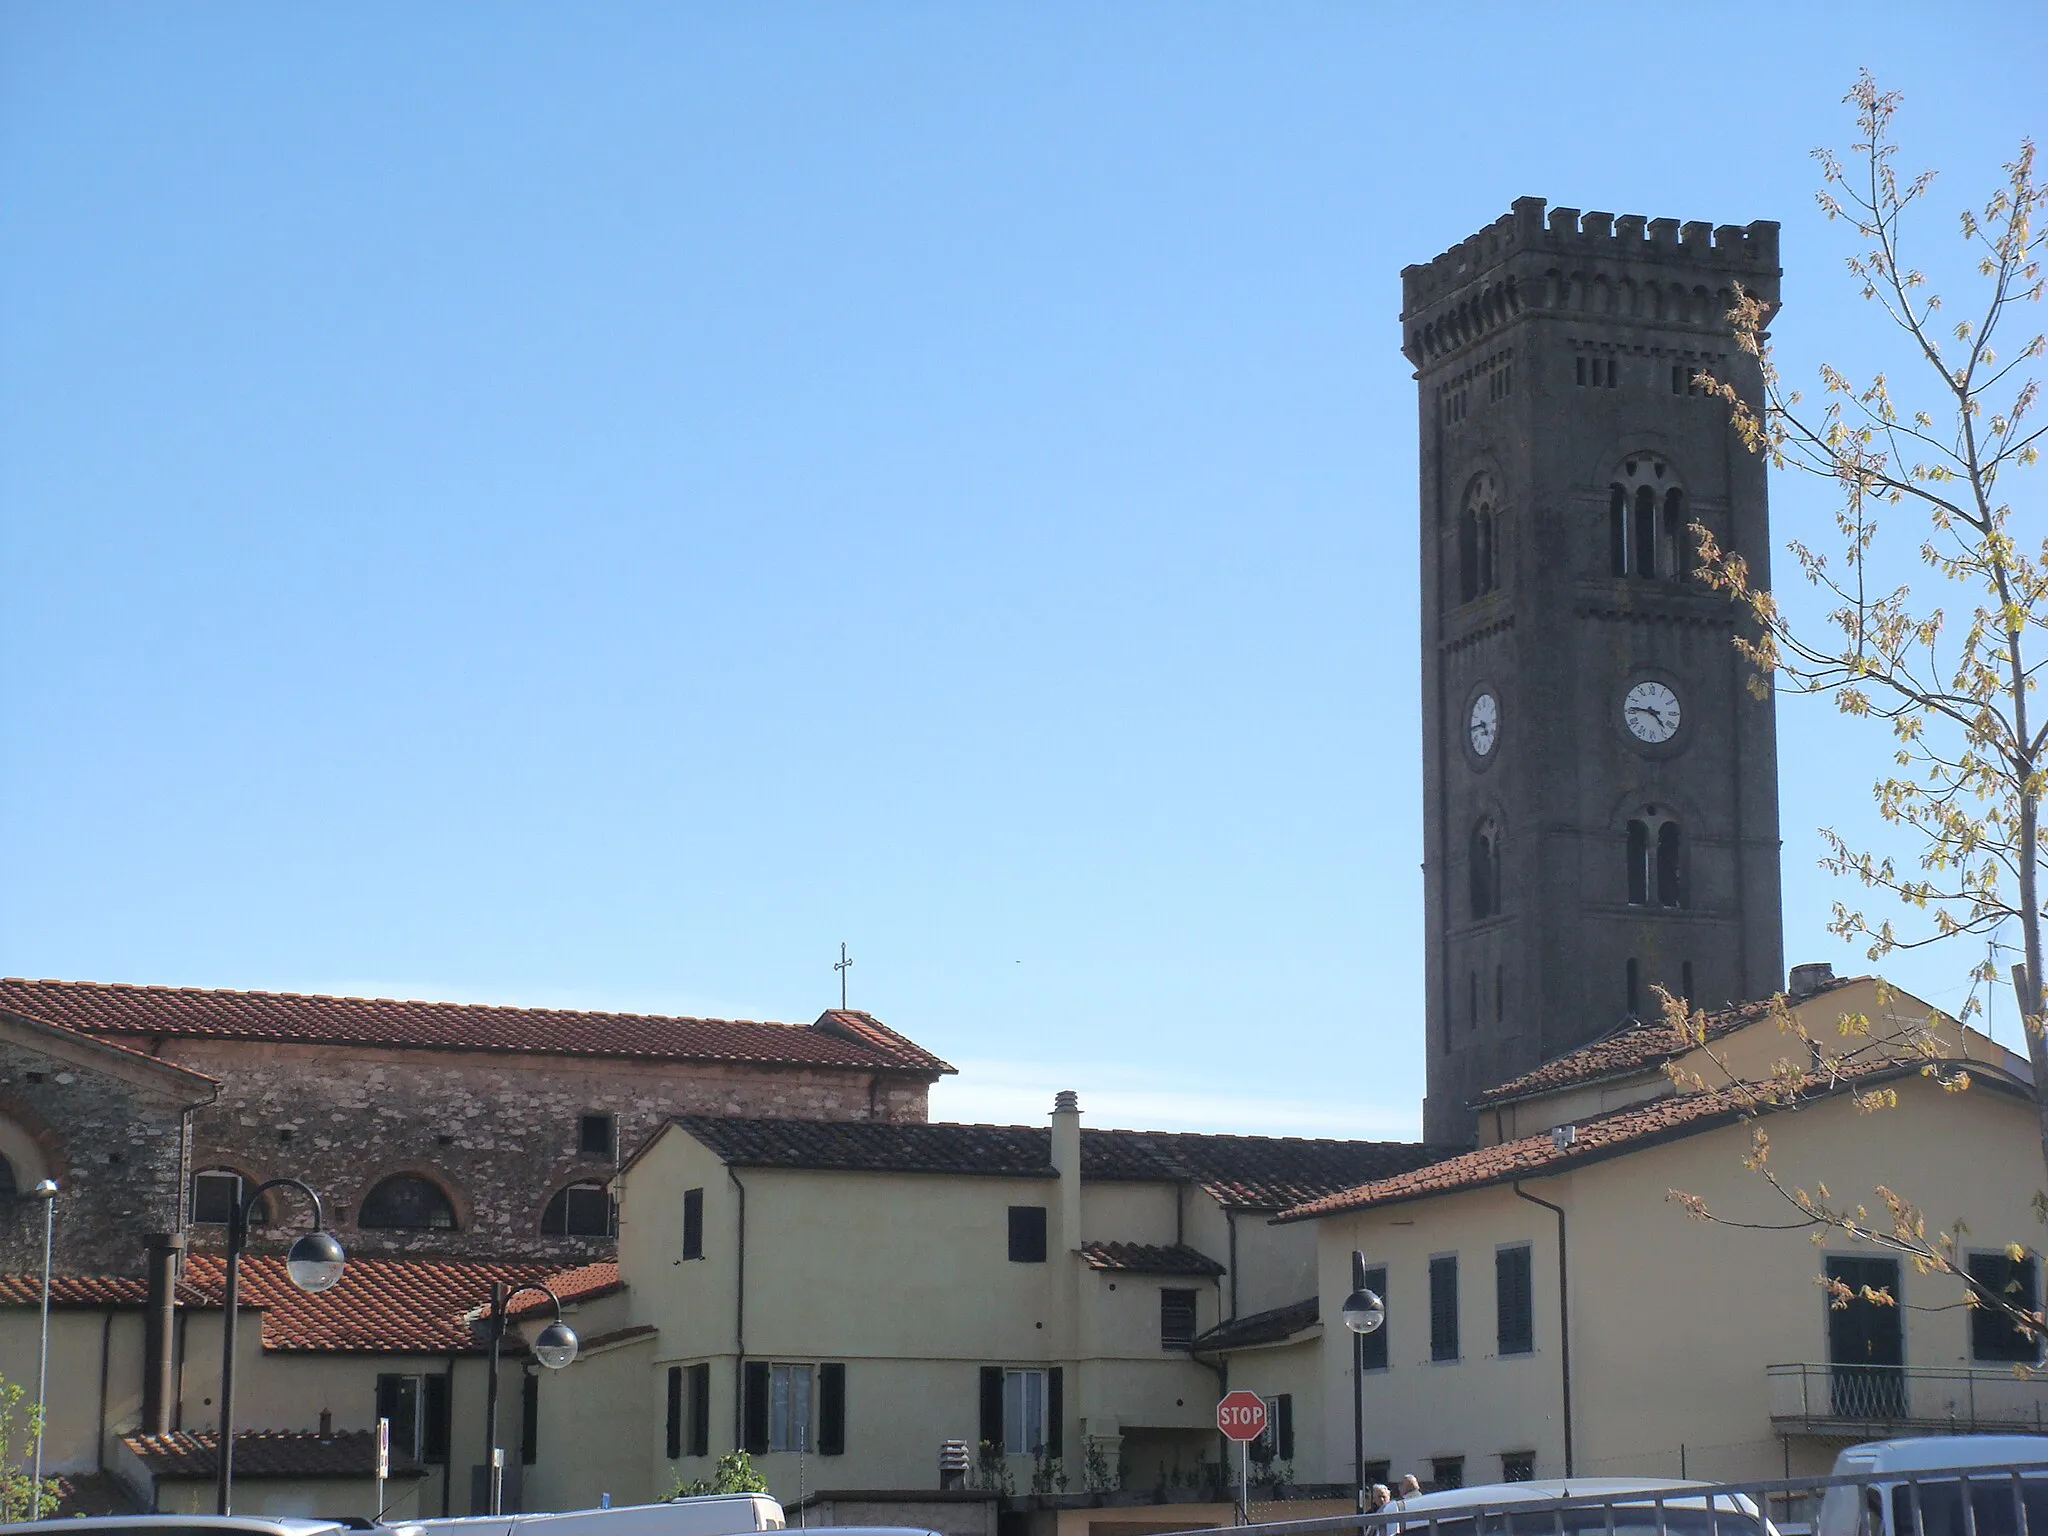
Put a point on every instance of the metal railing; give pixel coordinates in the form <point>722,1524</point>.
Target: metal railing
<point>1858,1399</point>
<point>2009,1500</point>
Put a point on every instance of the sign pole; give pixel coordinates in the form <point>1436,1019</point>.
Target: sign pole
<point>1244,1487</point>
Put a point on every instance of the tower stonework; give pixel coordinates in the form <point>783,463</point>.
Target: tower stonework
<point>1601,806</point>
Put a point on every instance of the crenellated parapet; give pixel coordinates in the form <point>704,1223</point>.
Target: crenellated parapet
<point>1634,269</point>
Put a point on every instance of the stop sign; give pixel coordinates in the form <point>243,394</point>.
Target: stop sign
<point>1241,1415</point>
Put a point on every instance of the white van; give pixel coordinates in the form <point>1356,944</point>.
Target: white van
<point>1581,1506</point>
<point>1925,1475</point>
<point>708,1514</point>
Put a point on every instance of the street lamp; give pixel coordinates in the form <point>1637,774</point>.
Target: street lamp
<point>554,1347</point>
<point>46,1191</point>
<point>1363,1313</point>
<point>314,1262</point>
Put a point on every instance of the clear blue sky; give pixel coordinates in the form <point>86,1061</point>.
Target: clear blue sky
<point>596,505</point>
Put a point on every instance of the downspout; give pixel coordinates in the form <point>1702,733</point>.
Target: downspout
<point>1564,1314</point>
<point>1230,1220</point>
<point>448,1466</point>
<point>739,1323</point>
<point>99,1450</point>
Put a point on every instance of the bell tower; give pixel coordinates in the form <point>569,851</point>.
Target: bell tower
<point>1601,804</point>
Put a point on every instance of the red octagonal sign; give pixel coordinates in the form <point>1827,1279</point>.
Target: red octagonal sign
<point>1241,1416</point>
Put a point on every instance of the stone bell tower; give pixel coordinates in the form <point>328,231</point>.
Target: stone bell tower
<point>1601,804</point>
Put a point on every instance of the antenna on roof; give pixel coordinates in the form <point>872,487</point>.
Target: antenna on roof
<point>842,966</point>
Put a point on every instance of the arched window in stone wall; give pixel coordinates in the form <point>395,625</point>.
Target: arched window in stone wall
<point>1646,516</point>
<point>10,1185</point>
<point>1485,868</point>
<point>407,1202</point>
<point>1479,533</point>
<point>1656,860</point>
<point>583,1209</point>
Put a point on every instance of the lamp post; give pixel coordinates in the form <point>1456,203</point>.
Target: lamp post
<point>1364,1313</point>
<point>554,1348</point>
<point>314,1262</point>
<point>45,1191</point>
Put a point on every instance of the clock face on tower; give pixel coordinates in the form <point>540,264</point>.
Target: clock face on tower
<point>1651,712</point>
<point>1483,725</point>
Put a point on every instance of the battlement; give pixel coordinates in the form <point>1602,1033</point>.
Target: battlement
<point>1659,269</point>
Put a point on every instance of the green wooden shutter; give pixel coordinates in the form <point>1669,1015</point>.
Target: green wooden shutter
<point>1055,1412</point>
<point>434,1432</point>
<point>992,1406</point>
<point>529,1419</point>
<point>700,1410</point>
<point>756,1409</point>
<point>1283,1427</point>
<point>831,1410</point>
<point>675,1412</point>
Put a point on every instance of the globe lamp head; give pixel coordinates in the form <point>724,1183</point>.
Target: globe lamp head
<point>556,1346</point>
<point>315,1261</point>
<point>1364,1311</point>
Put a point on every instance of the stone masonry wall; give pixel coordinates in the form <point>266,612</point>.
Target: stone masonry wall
<point>114,1150</point>
<point>497,1131</point>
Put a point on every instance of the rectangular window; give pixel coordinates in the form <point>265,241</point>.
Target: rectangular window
<point>1514,1307</point>
<point>1176,1319</point>
<point>398,1399</point>
<point>1446,1472</point>
<point>594,1135</point>
<point>672,1446</point>
<point>693,1223</point>
<point>1378,1472</point>
<point>1023,1412</point>
<point>1374,1344</point>
<point>789,1408</point>
<point>1027,1234</point>
<point>1278,1435</point>
<point>1993,1335</point>
<point>529,1419</point>
<point>1443,1307</point>
<point>1518,1466</point>
<point>699,1440</point>
<point>214,1196</point>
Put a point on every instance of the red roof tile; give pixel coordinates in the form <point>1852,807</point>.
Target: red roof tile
<point>1638,1046</point>
<point>261,1453</point>
<point>586,1282</point>
<point>1597,1139</point>
<point>379,1306</point>
<point>72,1291</point>
<point>839,1038</point>
<point>1269,1327</point>
<point>1149,1258</point>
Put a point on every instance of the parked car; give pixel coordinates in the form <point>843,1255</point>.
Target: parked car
<point>709,1514</point>
<point>1915,1487</point>
<point>1580,1506</point>
<point>183,1525</point>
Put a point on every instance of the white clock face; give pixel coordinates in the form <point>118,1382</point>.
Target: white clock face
<point>1651,710</point>
<point>1484,724</point>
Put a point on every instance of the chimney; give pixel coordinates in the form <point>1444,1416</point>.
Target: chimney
<point>159,1379</point>
<point>953,1464</point>
<point>1066,1157</point>
<point>326,1423</point>
<point>1563,1137</point>
<point>1814,976</point>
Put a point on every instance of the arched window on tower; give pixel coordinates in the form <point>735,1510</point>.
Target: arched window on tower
<point>1479,540</point>
<point>581,1210</point>
<point>407,1202</point>
<point>1485,862</point>
<point>1656,860</point>
<point>1646,521</point>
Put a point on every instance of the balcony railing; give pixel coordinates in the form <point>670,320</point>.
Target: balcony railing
<point>1811,1398</point>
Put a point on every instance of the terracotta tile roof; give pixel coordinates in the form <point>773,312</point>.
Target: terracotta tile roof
<point>72,1291</point>
<point>838,1038</point>
<point>1638,1046</point>
<point>1150,1258</point>
<point>261,1453</point>
<point>1269,1327</point>
<point>379,1306</point>
<point>1264,1173</point>
<point>1595,1140</point>
<point>586,1282</point>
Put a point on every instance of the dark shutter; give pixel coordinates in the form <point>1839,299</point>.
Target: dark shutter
<point>1027,1234</point>
<point>1176,1319</point>
<point>529,1418</point>
<point>1283,1425</point>
<point>434,1432</point>
<point>1513,1307</point>
<point>756,1410</point>
<point>693,1223</point>
<point>675,1412</point>
<point>700,1410</point>
<point>1993,1335</point>
<point>1374,1347</point>
<point>1443,1308</point>
<point>992,1406</point>
<point>831,1410</point>
<point>1056,1412</point>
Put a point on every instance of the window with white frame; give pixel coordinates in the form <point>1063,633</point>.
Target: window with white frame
<point>789,1408</point>
<point>1023,1412</point>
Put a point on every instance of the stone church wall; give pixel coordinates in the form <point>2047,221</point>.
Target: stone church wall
<point>498,1132</point>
